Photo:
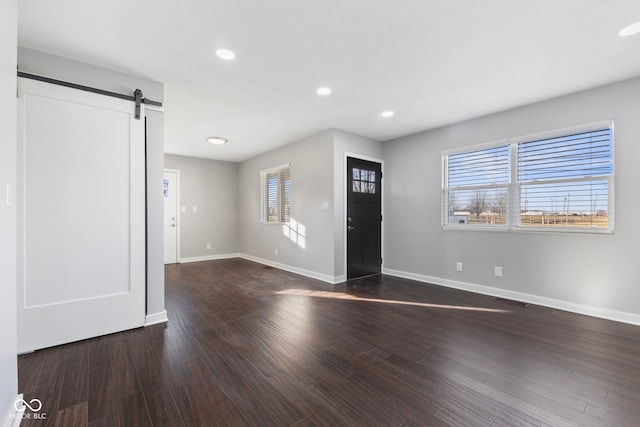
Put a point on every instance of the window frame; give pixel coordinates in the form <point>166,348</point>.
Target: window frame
<point>514,187</point>
<point>371,185</point>
<point>264,194</point>
<point>445,189</point>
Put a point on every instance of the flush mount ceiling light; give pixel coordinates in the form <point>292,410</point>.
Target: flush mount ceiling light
<point>323,91</point>
<point>225,54</point>
<point>218,140</point>
<point>387,113</point>
<point>630,30</point>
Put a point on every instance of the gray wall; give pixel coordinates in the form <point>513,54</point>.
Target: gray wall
<point>212,186</point>
<point>155,218</point>
<point>318,177</point>
<point>8,120</point>
<point>35,62</point>
<point>567,270</point>
<point>311,163</point>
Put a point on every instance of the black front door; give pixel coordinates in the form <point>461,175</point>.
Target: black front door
<point>364,217</point>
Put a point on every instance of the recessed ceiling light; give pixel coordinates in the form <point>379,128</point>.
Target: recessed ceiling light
<point>216,140</point>
<point>630,30</point>
<point>225,54</point>
<point>387,114</point>
<point>323,91</point>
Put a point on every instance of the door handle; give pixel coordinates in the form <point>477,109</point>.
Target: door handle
<point>172,225</point>
<point>350,228</point>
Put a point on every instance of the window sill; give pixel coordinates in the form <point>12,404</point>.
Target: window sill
<point>534,230</point>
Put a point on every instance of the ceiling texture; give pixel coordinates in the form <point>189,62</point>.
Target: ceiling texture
<point>433,62</point>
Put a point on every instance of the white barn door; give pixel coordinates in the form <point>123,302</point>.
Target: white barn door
<point>81,220</point>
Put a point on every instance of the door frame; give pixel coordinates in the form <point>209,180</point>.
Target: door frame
<point>178,211</point>
<point>344,207</point>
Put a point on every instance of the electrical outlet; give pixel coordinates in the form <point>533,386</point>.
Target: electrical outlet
<point>459,266</point>
<point>276,251</point>
<point>498,271</point>
<point>194,208</point>
<point>208,245</point>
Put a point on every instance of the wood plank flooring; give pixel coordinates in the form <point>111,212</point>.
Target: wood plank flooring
<point>250,346</point>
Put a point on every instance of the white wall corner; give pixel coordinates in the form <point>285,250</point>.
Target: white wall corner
<point>307,273</point>
<point>603,313</point>
<point>155,318</point>
<point>14,417</point>
<point>340,279</point>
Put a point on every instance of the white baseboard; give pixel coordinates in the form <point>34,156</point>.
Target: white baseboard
<point>208,258</point>
<point>14,416</point>
<point>155,318</point>
<point>340,279</point>
<point>308,273</point>
<point>603,313</point>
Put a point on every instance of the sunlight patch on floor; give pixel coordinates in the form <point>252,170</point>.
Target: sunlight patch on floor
<point>344,296</point>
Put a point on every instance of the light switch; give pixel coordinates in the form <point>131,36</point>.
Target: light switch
<point>183,209</point>
<point>195,209</point>
<point>9,194</point>
<point>325,206</point>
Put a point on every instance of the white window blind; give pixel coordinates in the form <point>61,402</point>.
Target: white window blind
<point>479,168</point>
<point>276,184</point>
<point>561,180</point>
<point>585,154</point>
<point>566,179</point>
<point>477,185</point>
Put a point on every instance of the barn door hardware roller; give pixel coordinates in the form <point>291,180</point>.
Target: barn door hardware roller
<point>137,95</point>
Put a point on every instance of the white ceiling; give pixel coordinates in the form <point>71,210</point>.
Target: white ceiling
<point>432,62</point>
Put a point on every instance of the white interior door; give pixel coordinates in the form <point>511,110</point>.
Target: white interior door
<point>171,191</point>
<point>81,227</point>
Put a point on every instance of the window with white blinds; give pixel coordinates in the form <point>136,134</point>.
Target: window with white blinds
<point>564,180</point>
<point>477,182</point>
<point>560,180</point>
<point>276,194</point>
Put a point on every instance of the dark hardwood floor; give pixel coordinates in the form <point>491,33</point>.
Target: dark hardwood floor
<point>250,345</point>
